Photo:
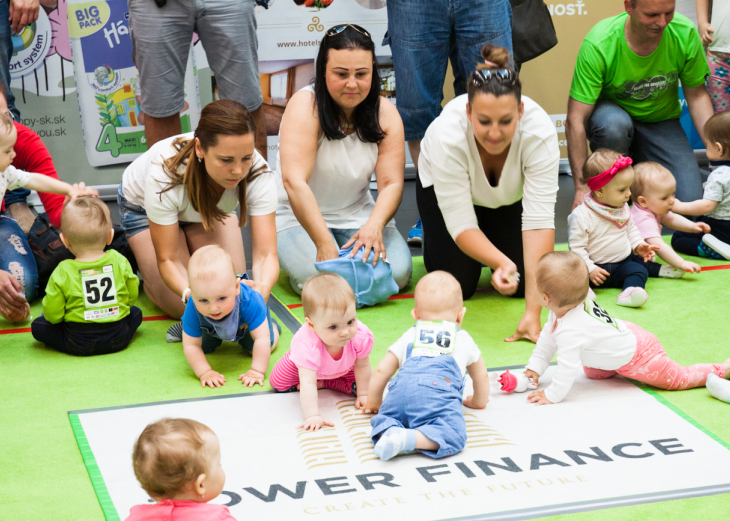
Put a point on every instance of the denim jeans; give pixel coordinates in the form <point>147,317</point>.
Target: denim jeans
<point>631,272</point>
<point>88,338</point>
<point>424,35</point>
<point>16,256</point>
<point>6,53</point>
<point>297,254</point>
<point>664,142</point>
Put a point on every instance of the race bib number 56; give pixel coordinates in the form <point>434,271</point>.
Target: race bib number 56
<point>434,338</point>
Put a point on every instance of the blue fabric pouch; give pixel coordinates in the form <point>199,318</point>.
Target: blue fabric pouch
<point>371,285</point>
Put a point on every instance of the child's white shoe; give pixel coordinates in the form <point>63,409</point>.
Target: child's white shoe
<point>716,244</point>
<point>670,272</point>
<point>632,297</point>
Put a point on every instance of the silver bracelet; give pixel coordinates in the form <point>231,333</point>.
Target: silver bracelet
<point>185,295</point>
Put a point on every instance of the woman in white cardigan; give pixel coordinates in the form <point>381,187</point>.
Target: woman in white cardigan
<point>487,185</point>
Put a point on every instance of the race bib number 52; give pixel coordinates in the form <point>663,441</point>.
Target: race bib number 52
<point>434,338</point>
<point>99,291</point>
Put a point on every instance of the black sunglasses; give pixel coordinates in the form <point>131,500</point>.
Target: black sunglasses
<point>337,29</point>
<point>505,76</point>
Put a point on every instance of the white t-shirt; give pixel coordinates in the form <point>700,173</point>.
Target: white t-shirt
<point>717,188</point>
<point>340,182</point>
<point>450,162</point>
<point>598,240</point>
<point>144,179</point>
<point>585,336</point>
<point>720,22</point>
<point>11,179</point>
<point>465,351</point>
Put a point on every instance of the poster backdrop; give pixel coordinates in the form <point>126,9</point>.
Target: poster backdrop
<point>289,32</point>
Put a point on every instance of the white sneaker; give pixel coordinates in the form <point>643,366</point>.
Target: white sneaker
<point>670,272</point>
<point>716,244</point>
<point>632,297</point>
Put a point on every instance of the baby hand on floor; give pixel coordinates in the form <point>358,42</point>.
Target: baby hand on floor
<point>690,266</point>
<point>251,377</point>
<point>314,423</point>
<point>538,397</point>
<point>469,402</point>
<point>212,379</point>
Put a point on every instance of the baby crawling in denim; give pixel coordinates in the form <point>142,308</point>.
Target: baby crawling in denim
<point>423,408</point>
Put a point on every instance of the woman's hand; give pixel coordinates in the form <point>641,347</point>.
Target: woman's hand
<point>13,305</point>
<point>371,237</point>
<point>505,278</point>
<point>529,328</point>
<point>327,251</point>
<point>706,32</point>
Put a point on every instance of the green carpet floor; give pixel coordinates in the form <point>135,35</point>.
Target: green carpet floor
<point>43,475</point>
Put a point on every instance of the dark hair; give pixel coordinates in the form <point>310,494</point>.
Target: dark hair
<point>500,57</point>
<point>220,118</point>
<point>366,116</point>
<point>717,130</point>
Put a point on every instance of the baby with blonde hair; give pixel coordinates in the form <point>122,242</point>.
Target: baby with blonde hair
<point>581,333</point>
<point>178,463</point>
<point>88,307</point>
<point>652,193</point>
<point>603,233</point>
<point>331,350</point>
<point>222,307</point>
<point>428,418</point>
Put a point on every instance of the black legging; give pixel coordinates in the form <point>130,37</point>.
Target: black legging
<point>502,226</point>
<point>686,243</point>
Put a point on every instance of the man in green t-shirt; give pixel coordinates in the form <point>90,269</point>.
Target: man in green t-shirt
<point>625,92</point>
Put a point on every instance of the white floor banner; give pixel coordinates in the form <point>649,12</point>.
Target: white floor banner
<point>608,444</point>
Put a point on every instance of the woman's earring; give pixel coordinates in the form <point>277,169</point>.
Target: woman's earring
<point>200,159</point>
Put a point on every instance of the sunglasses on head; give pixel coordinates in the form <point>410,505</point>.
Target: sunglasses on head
<point>337,29</point>
<point>506,76</point>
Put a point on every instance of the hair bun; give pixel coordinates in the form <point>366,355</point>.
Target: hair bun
<point>497,55</point>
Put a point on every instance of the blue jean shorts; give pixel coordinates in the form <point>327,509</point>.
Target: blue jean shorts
<point>423,36</point>
<point>161,37</point>
<point>133,217</point>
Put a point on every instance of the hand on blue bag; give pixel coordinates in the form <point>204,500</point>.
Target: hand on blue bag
<point>369,237</point>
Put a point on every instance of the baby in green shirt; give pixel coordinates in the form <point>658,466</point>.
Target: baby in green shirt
<point>86,310</point>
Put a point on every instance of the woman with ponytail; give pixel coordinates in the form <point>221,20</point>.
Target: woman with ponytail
<point>182,194</point>
<point>487,186</point>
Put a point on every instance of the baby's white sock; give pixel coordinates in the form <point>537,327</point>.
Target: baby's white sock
<point>394,441</point>
<point>718,387</point>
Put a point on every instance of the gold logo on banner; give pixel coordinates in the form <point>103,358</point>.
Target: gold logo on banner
<point>320,448</point>
<point>315,25</point>
<point>358,429</point>
<point>479,434</point>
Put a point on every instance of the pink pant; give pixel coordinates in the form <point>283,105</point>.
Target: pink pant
<point>285,375</point>
<point>651,365</point>
<point>718,84</point>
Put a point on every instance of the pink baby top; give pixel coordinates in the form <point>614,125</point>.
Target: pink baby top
<point>173,510</point>
<point>309,352</point>
<point>648,223</point>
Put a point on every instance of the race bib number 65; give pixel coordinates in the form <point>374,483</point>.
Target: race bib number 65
<point>99,287</point>
<point>434,338</point>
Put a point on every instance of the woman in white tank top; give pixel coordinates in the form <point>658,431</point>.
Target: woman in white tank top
<point>333,136</point>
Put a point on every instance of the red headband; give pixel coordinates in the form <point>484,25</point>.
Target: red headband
<point>601,180</point>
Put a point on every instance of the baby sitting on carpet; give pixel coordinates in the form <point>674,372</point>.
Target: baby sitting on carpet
<point>331,350</point>
<point>422,410</point>
<point>88,308</point>
<point>714,207</point>
<point>582,333</point>
<point>652,193</point>
<point>178,463</point>
<point>220,308</point>
<point>602,232</point>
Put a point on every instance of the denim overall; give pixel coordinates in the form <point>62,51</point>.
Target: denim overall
<point>426,395</point>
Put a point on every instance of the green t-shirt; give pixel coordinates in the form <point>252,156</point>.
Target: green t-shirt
<point>92,292</point>
<point>644,86</point>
